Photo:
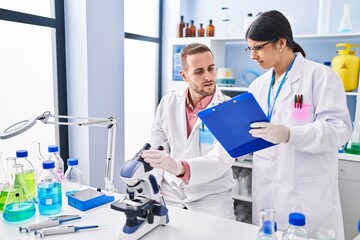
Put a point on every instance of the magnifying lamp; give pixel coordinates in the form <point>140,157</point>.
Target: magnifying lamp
<point>48,118</point>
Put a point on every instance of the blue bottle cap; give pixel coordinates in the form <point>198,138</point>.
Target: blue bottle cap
<point>21,153</point>
<point>297,219</point>
<point>267,227</point>
<point>48,164</point>
<point>53,148</point>
<point>72,162</point>
<point>359,226</point>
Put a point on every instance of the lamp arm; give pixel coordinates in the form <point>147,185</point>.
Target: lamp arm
<point>110,158</point>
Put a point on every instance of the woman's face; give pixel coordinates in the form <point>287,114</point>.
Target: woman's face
<point>265,53</point>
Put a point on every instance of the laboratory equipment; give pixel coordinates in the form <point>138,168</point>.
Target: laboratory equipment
<point>59,162</point>
<point>51,222</point>
<point>201,31</point>
<point>346,65</point>
<point>353,146</point>
<point>358,228</point>
<point>192,29</point>
<point>28,168</point>
<point>267,225</point>
<point>225,77</point>
<point>10,161</point>
<point>62,230</point>
<point>187,30</point>
<point>72,179</point>
<point>345,23</point>
<point>323,22</point>
<point>296,228</point>
<point>49,189</point>
<point>144,206</point>
<point>48,118</point>
<point>2,173</point>
<point>19,205</point>
<point>177,64</point>
<point>325,234</point>
<point>37,159</point>
<point>88,198</point>
<point>180,27</point>
<point>210,29</point>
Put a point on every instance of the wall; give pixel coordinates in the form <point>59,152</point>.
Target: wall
<point>95,50</point>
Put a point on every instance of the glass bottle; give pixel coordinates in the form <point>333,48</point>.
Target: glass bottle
<point>10,161</point>
<point>345,23</point>
<point>37,159</point>
<point>192,29</point>
<point>325,234</point>
<point>2,173</point>
<point>186,30</point>
<point>180,27</point>
<point>353,146</point>
<point>49,189</point>
<point>72,181</point>
<point>19,205</point>
<point>267,225</point>
<point>201,31</point>
<point>28,168</point>
<point>59,163</point>
<point>296,230</point>
<point>210,29</point>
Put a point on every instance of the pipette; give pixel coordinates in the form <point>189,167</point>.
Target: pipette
<point>62,230</point>
<point>51,222</point>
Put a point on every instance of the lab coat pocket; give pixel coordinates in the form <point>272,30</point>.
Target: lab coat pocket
<point>206,136</point>
<point>315,195</point>
<point>303,115</point>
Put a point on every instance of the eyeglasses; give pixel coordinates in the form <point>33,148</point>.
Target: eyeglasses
<point>258,47</point>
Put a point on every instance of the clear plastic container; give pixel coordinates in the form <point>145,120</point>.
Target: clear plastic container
<point>59,163</point>
<point>296,230</point>
<point>267,225</point>
<point>28,167</point>
<point>49,190</point>
<point>72,181</point>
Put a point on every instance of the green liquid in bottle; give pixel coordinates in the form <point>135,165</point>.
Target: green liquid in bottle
<point>3,195</point>
<point>30,183</point>
<point>352,148</point>
<point>19,211</point>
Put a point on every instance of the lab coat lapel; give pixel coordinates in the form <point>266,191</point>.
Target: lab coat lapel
<point>182,113</point>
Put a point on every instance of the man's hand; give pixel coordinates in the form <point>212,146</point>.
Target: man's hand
<point>271,132</point>
<point>161,159</point>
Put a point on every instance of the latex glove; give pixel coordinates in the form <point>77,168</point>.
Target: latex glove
<point>271,132</point>
<point>161,159</point>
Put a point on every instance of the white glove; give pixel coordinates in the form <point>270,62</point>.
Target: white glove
<point>161,159</point>
<point>271,132</point>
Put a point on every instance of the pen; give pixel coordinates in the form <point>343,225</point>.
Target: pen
<point>298,101</point>
<point>301,100</point>
<point>202,126</point>
<point>295,98</point>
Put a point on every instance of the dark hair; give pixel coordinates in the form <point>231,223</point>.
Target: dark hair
<point>273,25</point>
<point>191,49</point>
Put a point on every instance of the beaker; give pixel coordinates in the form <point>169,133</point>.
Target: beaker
<point>19,205</point>
<point>10,161</point>
<point>353,146</point>
<point>325,234</point>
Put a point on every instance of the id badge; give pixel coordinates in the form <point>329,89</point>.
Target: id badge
<point>205,135</point>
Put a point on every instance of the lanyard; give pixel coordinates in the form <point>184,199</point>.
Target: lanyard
<point>271,108</point>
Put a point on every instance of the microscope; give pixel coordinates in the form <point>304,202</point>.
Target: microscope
<point>143,205</point>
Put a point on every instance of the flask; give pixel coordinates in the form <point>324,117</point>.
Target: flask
<point>37,159</point>
<point>296,230</point>
<point>2,173</point>
<point>267,225</point>
<point>248,21</point>
<point>346,65</point>
<point>353,146</point>
<point>59,163</point>
<point>210,29</point>
<point>49,189</point>
<point>201,31</point>
<point>28,168</point>
<point>192,29</point>
<point>324,17</point>
<point>72,181</point>
<point>358,228</point>
<point>345,23</point>
<point>325,234</point>
<point>19,205</point>
<point>180,27</point>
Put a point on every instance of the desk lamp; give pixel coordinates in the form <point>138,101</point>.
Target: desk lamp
<point>48,118</point>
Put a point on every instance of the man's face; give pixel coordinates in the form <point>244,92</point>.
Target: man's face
<point>200,74</point>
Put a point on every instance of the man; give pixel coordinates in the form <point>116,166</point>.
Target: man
<point>194,171</point>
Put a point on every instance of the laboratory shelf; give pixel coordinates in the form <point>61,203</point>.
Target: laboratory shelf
<point>244,164</point>
<point>242,198</point>
<point>351,157</point>
<point>235,89</point>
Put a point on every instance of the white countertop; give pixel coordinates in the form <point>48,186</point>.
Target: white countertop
<point>183,225</point>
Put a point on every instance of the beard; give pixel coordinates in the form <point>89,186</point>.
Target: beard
<point>204,90</point>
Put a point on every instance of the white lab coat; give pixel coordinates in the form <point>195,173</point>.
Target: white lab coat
<point>211,182</point>
<point>302,175</point>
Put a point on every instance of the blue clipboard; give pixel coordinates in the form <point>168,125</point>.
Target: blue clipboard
<point>230,121</point>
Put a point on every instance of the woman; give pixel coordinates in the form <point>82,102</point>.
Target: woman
<point>309,121</point>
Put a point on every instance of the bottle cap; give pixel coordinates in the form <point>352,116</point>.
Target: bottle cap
<point>297,219</point>
<point>72,162</point>
<point>53,148</point>
<point>21,153</point>
<point>48,164</point>
<point>267,227</point>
